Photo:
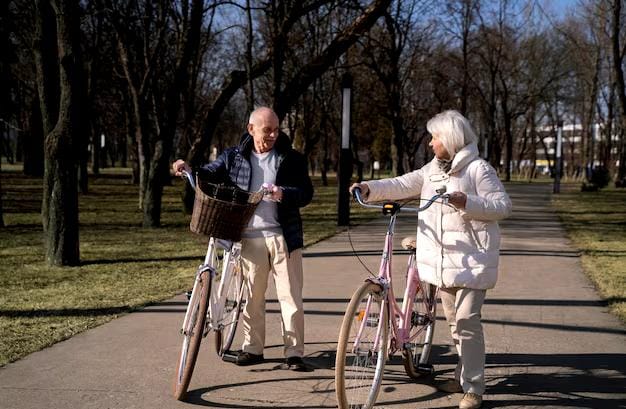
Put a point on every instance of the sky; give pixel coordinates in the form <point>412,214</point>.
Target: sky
<point>560,6</point>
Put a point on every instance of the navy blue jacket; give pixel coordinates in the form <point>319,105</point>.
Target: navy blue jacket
<point>232,167</point>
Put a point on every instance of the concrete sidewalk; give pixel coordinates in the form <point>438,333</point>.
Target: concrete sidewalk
<point>550,341</point>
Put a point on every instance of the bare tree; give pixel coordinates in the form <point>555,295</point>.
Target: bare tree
<point>187,46</point>
<point>64,125</point>
<point>463,17</point>
<point>394,53</point>
<point>618,50</point>
<point>286,91</point>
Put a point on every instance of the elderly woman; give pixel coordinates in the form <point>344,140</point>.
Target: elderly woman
<point>458,245</point>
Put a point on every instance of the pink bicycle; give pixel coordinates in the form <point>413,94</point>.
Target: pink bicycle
<point>364,343</point>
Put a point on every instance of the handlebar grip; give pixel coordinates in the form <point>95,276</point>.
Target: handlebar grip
<point>187,175</point>
<point>356,194</point>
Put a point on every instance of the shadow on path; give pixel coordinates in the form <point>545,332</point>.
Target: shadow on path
<point>567,380</point>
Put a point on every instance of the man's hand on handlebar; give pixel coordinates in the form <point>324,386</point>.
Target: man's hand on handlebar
<point>272,192</point>
<point>365,190</point>
<point>179,166</point>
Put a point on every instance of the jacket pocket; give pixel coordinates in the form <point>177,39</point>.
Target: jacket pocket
<point>481,245</point>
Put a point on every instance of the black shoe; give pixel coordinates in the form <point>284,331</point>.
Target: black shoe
<point>295,363</point>
<point>246,358</point>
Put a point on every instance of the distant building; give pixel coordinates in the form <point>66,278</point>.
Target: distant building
<point>574,159</point>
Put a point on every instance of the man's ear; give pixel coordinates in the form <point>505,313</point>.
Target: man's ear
<point>250,127</point>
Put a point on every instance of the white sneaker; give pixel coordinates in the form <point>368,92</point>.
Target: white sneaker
<point>471,401</point>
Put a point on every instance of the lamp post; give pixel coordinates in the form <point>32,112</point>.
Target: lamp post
<point>558,165</point>
<point>345,155</point>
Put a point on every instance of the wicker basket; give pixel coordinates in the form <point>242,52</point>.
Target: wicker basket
<point>222,211</point>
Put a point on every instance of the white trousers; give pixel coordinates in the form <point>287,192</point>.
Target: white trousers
<point>260,256</point>
<point>462,309</point>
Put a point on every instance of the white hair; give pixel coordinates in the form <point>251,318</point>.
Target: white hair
<point>254,116</point>
<point>453,129</point>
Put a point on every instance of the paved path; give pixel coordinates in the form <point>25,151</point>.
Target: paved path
<point>550,342</point>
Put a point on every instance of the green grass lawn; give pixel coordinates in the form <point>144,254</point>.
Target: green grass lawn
<point>596,224</point>
<point>124,266</point>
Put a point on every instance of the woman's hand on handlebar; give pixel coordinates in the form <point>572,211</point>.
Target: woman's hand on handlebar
<point>365,190</point>
<point>457,199</point>
<point>179,166</point>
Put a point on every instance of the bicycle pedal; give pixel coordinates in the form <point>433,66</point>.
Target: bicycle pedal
<point>425,369</point>
<point>229,356</point>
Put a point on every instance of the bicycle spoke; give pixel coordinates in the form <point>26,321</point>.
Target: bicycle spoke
<point>417,350</point>
<point>362,349</point>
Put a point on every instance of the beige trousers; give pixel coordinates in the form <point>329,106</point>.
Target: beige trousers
<point>462,309</point>
<point>260,256</point>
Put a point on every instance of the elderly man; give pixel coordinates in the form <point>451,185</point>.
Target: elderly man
<point>273,240</point>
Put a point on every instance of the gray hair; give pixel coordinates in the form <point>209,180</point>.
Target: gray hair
<point>453,129</point>
<point>260,111</point>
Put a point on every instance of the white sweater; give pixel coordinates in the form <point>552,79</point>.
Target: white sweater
<point>455,248</point>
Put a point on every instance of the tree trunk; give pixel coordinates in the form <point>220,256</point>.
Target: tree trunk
<point>95,150</point>
<point>397,147</point>
<point>508,157</point>
<point>159,162</point>
<point>605,158</point>
<point>137,121</point>
<point>1,213</point>
<point>60,196</point>
<point>46,64</point>
<point>33,142</point>
<point>533,142</point>
<point>619,80</point>
<point>249,61</point>
<point>154,186</point>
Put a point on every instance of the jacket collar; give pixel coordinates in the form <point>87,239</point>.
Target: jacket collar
<point>467,154</point>
<point>283,143</point>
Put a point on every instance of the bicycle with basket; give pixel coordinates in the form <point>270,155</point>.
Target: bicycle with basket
<point>216,300</point>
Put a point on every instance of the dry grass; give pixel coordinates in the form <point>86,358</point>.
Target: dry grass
<point>596,224</point>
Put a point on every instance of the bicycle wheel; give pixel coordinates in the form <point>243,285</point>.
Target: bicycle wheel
<point>362,349</point>
<point>225,335</point>
<point>192,333</point>
<point>416,354</point>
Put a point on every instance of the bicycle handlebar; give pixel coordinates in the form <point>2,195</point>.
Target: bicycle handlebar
<point>189,177</point>
<point>441,194</point>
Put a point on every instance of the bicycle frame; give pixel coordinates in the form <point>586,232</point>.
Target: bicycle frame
<point>232,252</point>
<point>399,316</point>
<point>217,301</point>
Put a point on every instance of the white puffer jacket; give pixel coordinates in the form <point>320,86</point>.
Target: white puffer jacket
<point>455,248</point>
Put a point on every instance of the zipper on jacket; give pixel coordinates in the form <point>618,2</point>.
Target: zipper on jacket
<point>440,267</point>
